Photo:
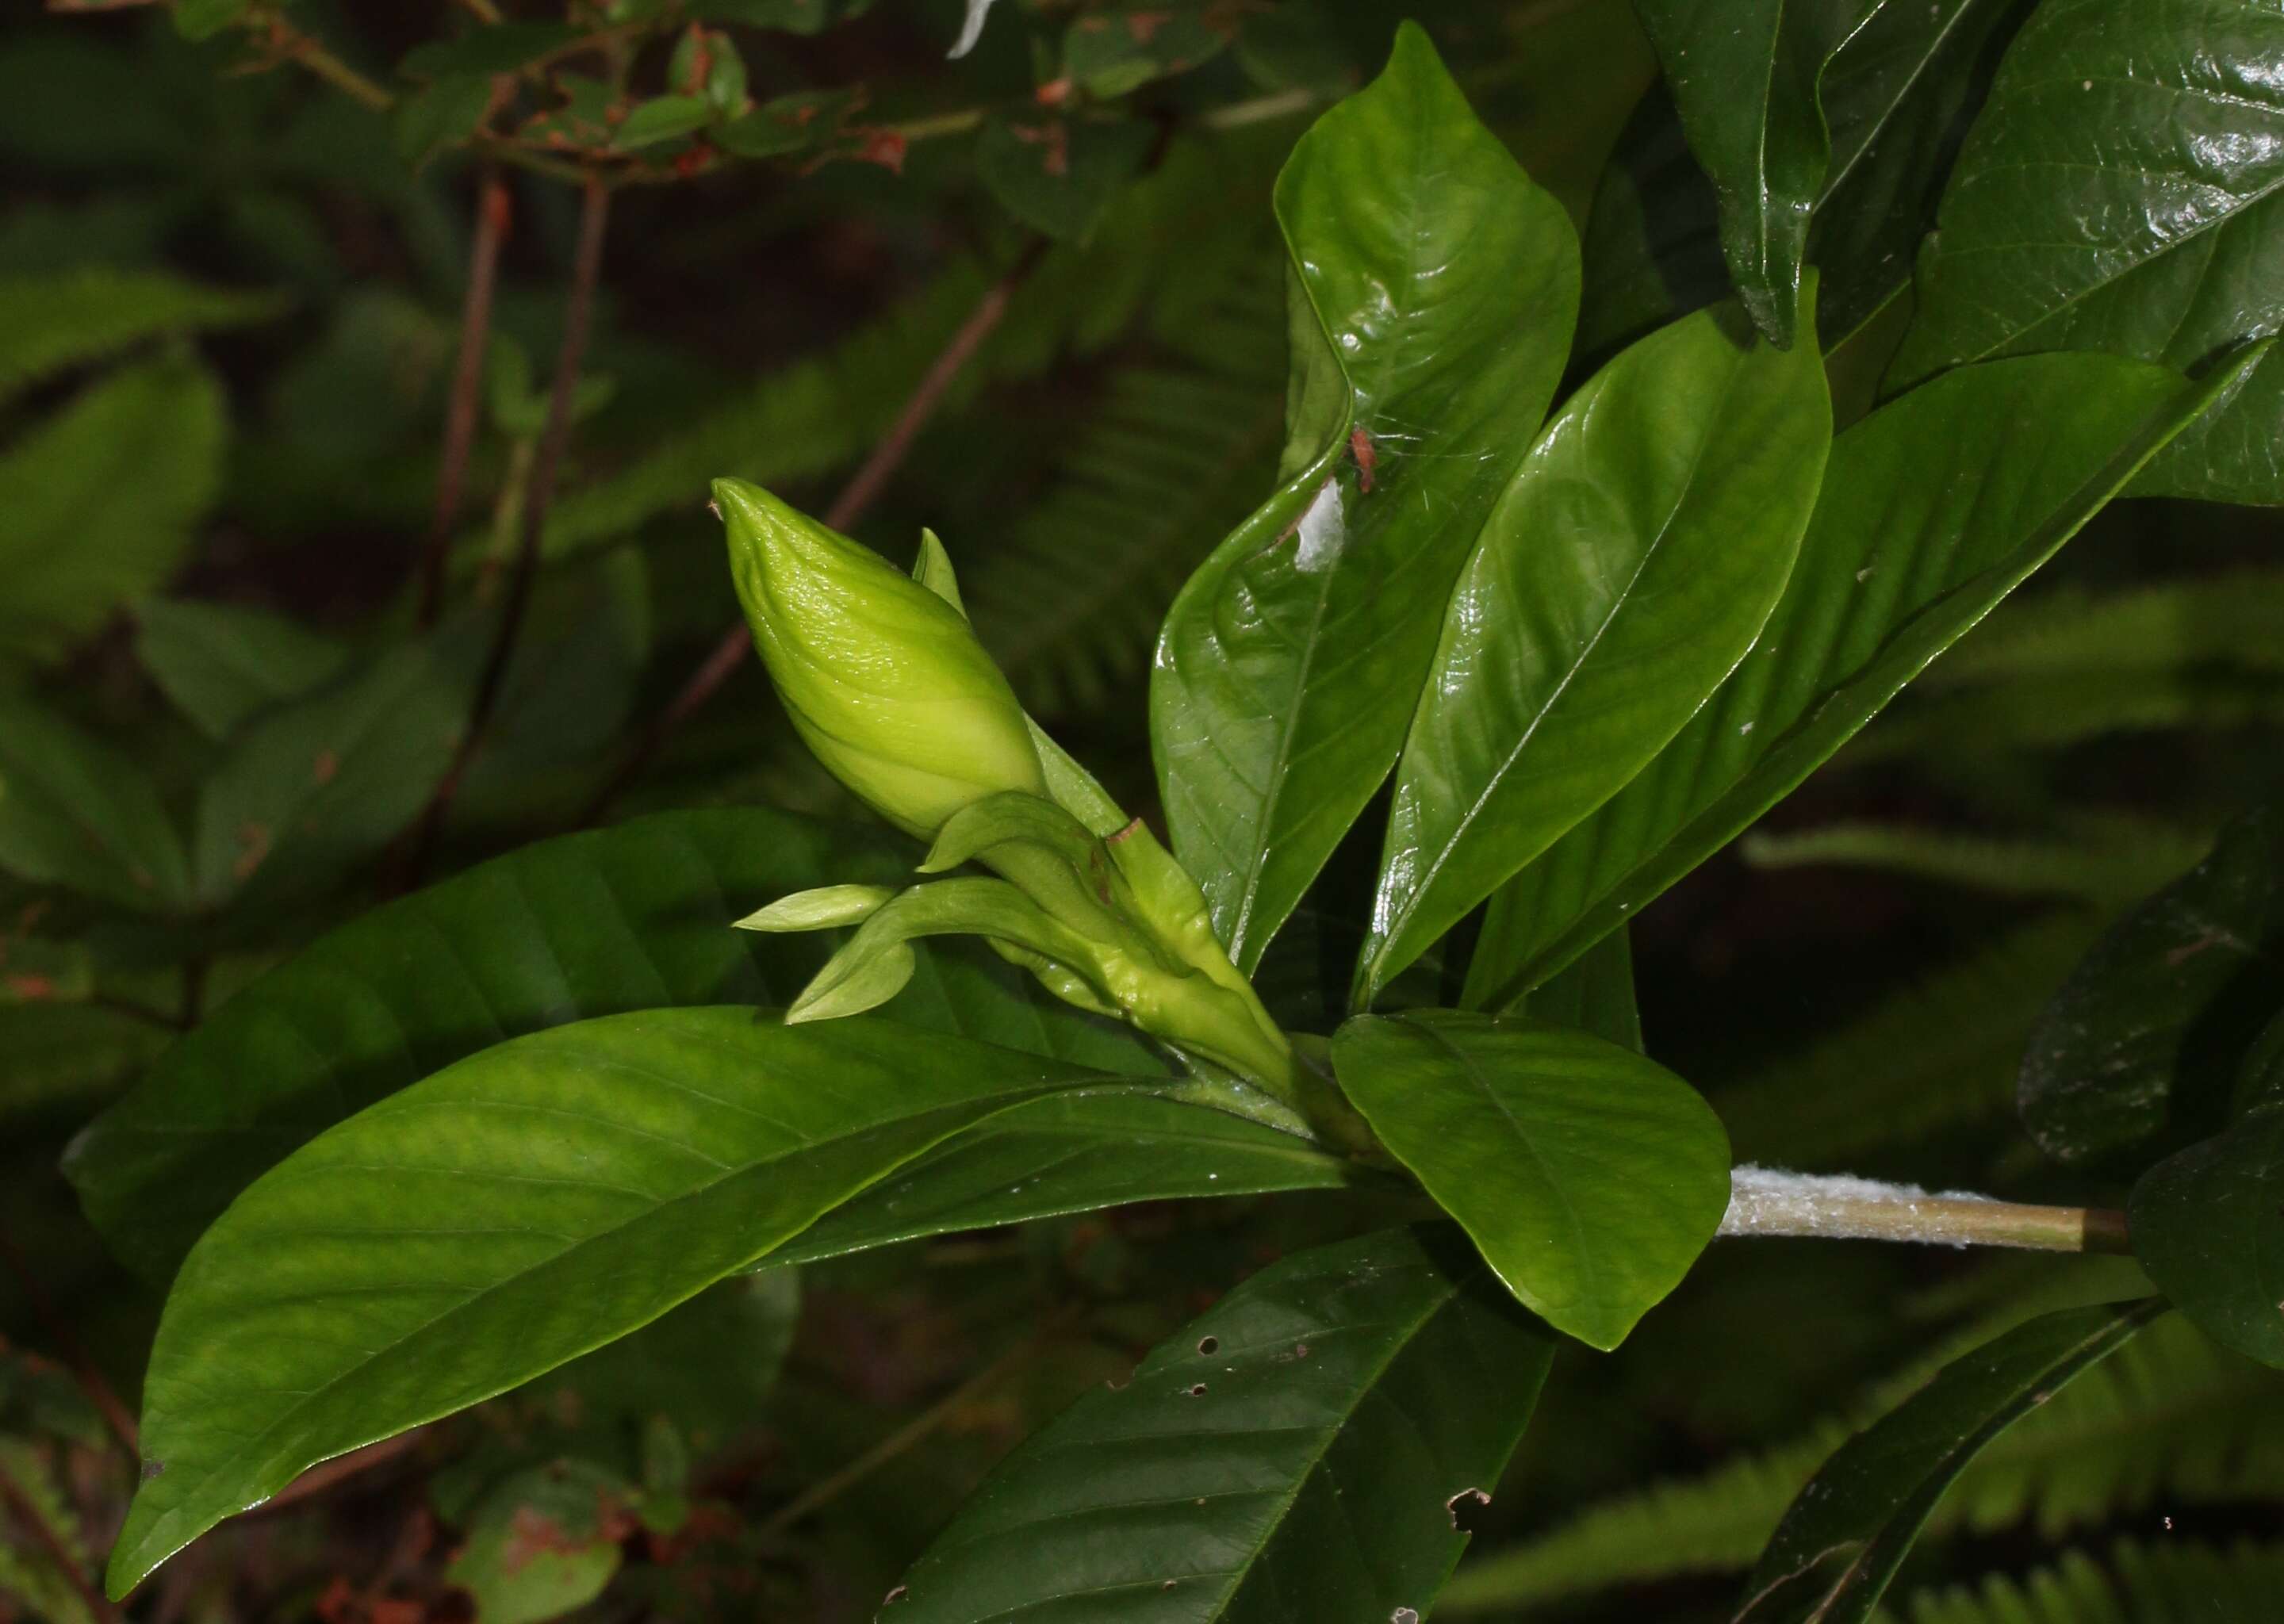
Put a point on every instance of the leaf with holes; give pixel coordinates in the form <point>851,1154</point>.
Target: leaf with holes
<point>515,1210</point>
<point>1304,1451</point>
<point>1590,1177</point>
<point>1434,289</point>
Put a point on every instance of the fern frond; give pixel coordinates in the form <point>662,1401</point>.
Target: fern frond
<point>1172,242</point>
<point>2053,712</point>
<point>2225,619</point>
<point>27,1572</point>
<point>2171,1414</point>
<point>1940,1053</point>
<point>2184,1583</point>
<point>2113,858</point>
<point>49,323</point>
<point>1069,597</point>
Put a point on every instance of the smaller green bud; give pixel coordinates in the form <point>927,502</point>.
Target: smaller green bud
<point>883,679</point>
<point>821,910</point>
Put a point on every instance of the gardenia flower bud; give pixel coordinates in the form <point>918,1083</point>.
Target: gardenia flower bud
<point>883,679</point>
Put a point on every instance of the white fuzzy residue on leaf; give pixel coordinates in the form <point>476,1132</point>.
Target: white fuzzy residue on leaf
<point>1323,531</point>
<point>972,30</point>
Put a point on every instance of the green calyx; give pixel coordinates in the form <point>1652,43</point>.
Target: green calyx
<point>883,679</point>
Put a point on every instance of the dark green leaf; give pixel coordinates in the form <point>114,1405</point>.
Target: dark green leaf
<point>1932,510</point>
<point>2208,1223</point>
<point>199,19</point>
<point>1645,541</point>
<point>1112,53</point>
<point>1653,242</point>
<point>102,498</point>
<point>2141,1042</point>
<point>1435,290</point>
<point>1897,97</point>
<point>53,322</point>
<point>663,118</point>
<point>1590,1177</point>
<point>1057,174</point>
<point>220,665</point>
<point>442,115</point>
<point>1744,74</point>
<point>793,16</point>
<point>1851,1527</point>
<point>1300,1451</point>
<point>317,785</point>
<point>2119,192</point>
<point>499,48</point>
<point>628,917</point>
<point>1594,993</point>
<point>517,1209</point>
<point>76,813</point>
<point>1076,1155</point>
<point>786,124</point>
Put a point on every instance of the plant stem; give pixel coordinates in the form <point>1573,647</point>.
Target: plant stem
<point>856,499</point>
<point>1764,1202</point>
<point>291,42</point>
<point>467,385</point>
<point>21,1505</point>
<point>546,462</point>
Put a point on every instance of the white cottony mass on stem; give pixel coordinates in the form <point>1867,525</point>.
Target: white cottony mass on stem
<point>1842,1207</point>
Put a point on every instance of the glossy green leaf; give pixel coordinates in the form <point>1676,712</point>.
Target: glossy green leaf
<point>1932,510</point>
<point>1057,175</point>
<point>102,498</point>
<point>77,812</point>
<point>632,917</point>
<point>1844,1537</point>
<point>220,664</point>
<point>1588,1177</point>
<point>2140,1043</point>
<point>518,1208</point>
<point>1434,292</point>
<point>1744,74</point>
<point>2119,192</point>
<point>1897,97</point>
<point>1620,579</point>
<point>1653,238</point>
<point>1297,1452</point>
<point>1076,1155</point>
<point>2208,1223</point>
<point>1594,993</point>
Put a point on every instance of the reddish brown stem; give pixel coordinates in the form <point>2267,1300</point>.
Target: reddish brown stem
<point>547,461</point>
<point>22,1507</point>
<point>856,499</point>
<point>98,1391</point>
<point>467,388</point>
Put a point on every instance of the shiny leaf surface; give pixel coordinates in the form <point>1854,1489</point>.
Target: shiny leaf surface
<point>1294,1453</point>
<point>2121,193</point>
<point>1744,74</point>
<point>633,917</point>
<point>2140,1043</point>
<point>1933,508</point>
<point>1076,1155</point>
<point>1850,1528</point>
<point>1434,289</point>
<point>512,1211</point>
<point>1588,1177</point>
<point>1645,539</point>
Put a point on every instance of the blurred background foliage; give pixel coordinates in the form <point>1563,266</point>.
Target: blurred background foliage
<point>1029,299</point>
